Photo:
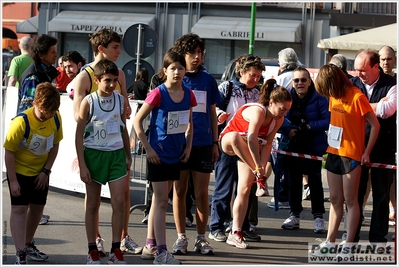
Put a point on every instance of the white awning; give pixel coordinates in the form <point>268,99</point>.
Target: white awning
<point>89,22</point>
<point>271,30</point>
<point>373,38</point>
<point>30,25</point>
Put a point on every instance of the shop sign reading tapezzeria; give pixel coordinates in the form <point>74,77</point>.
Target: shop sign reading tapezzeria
<point>93,28</point>
<point>241,34</point>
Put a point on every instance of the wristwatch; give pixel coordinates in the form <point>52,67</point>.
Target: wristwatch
<point>46,171</point>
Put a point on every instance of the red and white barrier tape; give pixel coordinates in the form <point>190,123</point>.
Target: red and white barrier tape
<point>306,156</point>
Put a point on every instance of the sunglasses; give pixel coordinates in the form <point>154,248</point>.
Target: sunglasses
<point>303,80</point>
<point>252,58</point>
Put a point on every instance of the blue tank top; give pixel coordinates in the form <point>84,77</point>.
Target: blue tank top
<point>168,146</point>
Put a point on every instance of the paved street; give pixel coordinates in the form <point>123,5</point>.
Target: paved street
<point>64,238</point>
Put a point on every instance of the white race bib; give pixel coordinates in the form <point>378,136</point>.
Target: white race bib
<point>40,145</point>
<point>200,96</point>
<point>178,121</point>
<point>106,132</point>
<point>334,136</point>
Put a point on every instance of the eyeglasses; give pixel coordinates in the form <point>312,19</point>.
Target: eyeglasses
<point>303,80</point>
<point>252,58</point>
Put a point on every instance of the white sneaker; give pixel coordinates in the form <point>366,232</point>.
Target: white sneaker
<point>128,244</point>
<point>281,205</point>
<point>306,193</point>
<point>188,222</point>
<point>100,246</point>
<point>319,226</point>
<point>291,222</point>
<point>262,188</point>
<point>165,258</point>
<point>323,249</point>
<point>180,246</point>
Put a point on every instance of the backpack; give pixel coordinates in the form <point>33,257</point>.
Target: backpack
<point>225,104</point>
<point>27,129</point>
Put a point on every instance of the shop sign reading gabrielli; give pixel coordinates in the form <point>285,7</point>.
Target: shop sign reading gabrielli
<point>93,28</point>
<point>241,34</point>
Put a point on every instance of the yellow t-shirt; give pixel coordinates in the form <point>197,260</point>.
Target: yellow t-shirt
<point>32,154</point>
<point>348,114</point>
<point>94,86</point>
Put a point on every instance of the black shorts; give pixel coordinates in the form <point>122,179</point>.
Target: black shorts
<point>200,159</point>
<point>29,195</point>
<point>340,165</point>
<point>163,172</point>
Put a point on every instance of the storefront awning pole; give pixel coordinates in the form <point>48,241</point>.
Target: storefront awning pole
<point>252,32</point>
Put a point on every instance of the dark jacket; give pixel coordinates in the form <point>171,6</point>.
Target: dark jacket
<point>317,115</point>
<point>139,89</point>
<point>386,141</point>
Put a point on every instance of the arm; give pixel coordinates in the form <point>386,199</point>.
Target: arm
<point>125,138</point>
<point>9,158</point>
<point>266,150</point>
<point>42,179</point>
<point>81,88</point>
<point>375,128</point>
<point>386,107</point>
<point>122,81</point>
<point>12,81</point>
<point>143,112</point>
<point>214,123</point>
<point>189,138</point>
<point>81,122</point>
<point>256,117</point>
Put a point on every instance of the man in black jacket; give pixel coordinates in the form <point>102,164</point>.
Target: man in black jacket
<point>380,89</point>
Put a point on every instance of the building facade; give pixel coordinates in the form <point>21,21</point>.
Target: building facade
<point>225,27</point>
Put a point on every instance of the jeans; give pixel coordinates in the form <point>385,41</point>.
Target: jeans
<point>297,168</point>
<point>226,174</point>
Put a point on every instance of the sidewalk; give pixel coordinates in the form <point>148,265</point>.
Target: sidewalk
<point>63,239</point>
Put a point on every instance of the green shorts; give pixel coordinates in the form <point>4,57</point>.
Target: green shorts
<point>105,166</point>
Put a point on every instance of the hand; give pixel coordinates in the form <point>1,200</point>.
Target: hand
<point>292,133</point>
<point>128,163</point>
<point>15,188</point>
<point>41,181</point>
<point>223,117</point>
<point>128,112</point>
<point>152,156</point>
<point>185,156</point>
<point>365,159</point>
<point>215,154</point>
<point>85,175</point>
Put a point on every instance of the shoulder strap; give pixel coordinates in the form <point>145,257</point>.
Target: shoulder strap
<point>228,95</point>
<point>27,125</point>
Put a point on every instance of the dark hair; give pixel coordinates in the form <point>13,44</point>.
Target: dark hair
<point>105,66</point>
<point>142,75</point>
<point>188,43</point>
<point>277,93</point>
<point>41,46</point>
<point>103,37</point>
<point>331,81</point>
<point>75,57</point>
<point>372,55</point>
<point>247,61</point>
<point>173,56</point>
<point>47,97</point>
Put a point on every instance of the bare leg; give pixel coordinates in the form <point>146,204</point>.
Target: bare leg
<point>234,145</point>
<point>93,192</point>
<point>33,217</point>
<point>350,185</point>
<point>158,210</point>
<point>117,189</point>
<point>240,206</point>
<point>201,184</point>
<point>125,229</point>
<point>335,185</point>
<point>179,201</point>
<point>18,225</point>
